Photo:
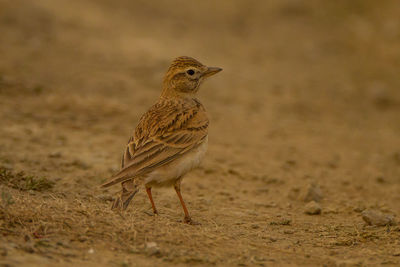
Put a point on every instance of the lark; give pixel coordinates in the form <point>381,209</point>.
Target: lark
<point>170,139</point>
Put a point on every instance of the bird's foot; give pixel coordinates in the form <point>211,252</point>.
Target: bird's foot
<point>117,204</point>
<point>189,221</point>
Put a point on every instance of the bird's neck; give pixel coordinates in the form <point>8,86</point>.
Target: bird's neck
<point>169,92</point>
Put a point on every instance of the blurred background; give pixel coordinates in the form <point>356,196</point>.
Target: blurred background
<point>297,74</point>
<point>309,92</point>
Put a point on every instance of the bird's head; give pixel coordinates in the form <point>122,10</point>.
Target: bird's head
<point>185,75</point>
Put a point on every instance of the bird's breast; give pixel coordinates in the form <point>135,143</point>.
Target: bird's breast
<point>169,173</point>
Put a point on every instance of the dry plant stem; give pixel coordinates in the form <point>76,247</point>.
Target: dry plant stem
<point>148,190</point>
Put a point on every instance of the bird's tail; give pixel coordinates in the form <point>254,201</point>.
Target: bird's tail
<point>129,190</point>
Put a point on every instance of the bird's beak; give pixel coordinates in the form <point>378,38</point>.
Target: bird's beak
<point>211,71</point>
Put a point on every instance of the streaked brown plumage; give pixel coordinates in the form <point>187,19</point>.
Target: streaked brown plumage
<point>171,137</point>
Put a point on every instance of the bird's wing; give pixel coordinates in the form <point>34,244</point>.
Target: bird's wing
<point>165,133</point>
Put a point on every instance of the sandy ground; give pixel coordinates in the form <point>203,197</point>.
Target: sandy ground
<point>307,107</point>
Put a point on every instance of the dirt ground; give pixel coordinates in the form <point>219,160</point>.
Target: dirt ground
<point>307,108</point>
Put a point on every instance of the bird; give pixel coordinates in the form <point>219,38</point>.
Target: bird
<point>169,140</point>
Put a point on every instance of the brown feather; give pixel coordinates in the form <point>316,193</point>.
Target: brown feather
<point>171,128</point>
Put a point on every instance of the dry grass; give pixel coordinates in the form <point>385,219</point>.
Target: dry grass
<point>24,182</point>
<point>66,226</point>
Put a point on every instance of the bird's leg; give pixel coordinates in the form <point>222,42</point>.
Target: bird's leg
<point>177,187</point>
<point>148,190</point>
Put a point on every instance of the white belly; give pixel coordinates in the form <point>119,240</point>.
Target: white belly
<point>168,174</point>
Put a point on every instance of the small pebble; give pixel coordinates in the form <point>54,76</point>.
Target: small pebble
<point>288,232</point>
<point>377,218</point>
<point>28,248</point>
<point>281,221</point>
<point>360,207</point>
<point>314,193</point>
<point>312,208</point>
<point>105,198</point>
<point>55,155</point>
<point>152,248</point>
<point>3,252</point>
<point>380,180</point>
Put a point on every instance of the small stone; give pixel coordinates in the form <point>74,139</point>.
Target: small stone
<point>281,221</point>
<point>55,155</point>
<point>152,248</point>
<point>314,193</point>
<point>82,238</point>
<point>91,251</point>
<point>273,239</point>
<point>312,208</point>
<point>3,252</point>
<point>377,218</point>
<point>345,183</point>
<point>270,205</point>
<point>258,259</point>
<point>331,210</point>
<point>288,232</point>
<point>28,248</point>
<point>233,172</point>
<point>360,207</point>
<point>105,198</point>
<point>27,238</point>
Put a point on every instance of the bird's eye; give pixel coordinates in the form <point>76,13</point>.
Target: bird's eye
<point>190,72</point>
